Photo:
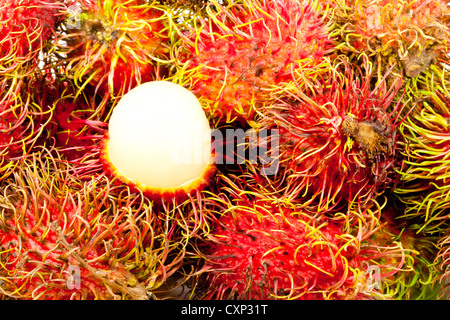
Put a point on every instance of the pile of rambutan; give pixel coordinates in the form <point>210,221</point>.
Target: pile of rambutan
<point>323,175</point>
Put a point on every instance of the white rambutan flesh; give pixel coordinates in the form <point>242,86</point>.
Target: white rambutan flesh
<point>159,139</point>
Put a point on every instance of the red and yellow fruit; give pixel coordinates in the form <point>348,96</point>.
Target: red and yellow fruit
<point>52,225</point>
<point>114,45</point>
<point>404,34</point>
<point>26,27</point>
<point>259,248</point>
<point>337,138</point>
<point>353,131</point>
<point>262,252</point>
<point>417,280</point>
<point>424,181</point>
<point>238,52</point>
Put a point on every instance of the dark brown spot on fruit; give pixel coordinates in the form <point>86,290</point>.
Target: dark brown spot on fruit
<point>415,63</point>
<point>368,135</point>
<point>259,70</point>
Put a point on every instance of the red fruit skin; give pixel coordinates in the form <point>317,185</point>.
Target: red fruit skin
<point>51,226</point>
<point>119,50</point>
<point>408,36</point>
<point>73,123</point>
<point>383,16</point>
<point>75,134</point>
<point>276,256</point>
<point>68,131</point>
<point>325,166</point>
<point>10,132</point>
<point>25,27</point>
<point>40,269</point>
<point>22,122</point>
<point>241,53</point>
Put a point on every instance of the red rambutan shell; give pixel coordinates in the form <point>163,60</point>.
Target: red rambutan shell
<point>274,255</point>
<point>52,225</point>
<point>337,140</point>
<point>25,28</point>
<point>409,35</point>
<point>258,246</point>
<point>22,121</point>
<point>115,45</point>
<point>241,51</point>
<point>424,173</point>
<point>75,121</point>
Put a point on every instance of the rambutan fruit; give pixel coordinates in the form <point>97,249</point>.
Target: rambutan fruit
<point>260,254</point>
<point>336,136</point>
<point>442,265</point>
<point>26,26</point>
<point>232,55</point>
<point>424,186</point>
<point>63,239</point>
<point>76,124</point>
<point>418,277</point>
<point>114,45</point>
<point>260,248</point>
<point>159,141</point>
<point>408,35</point>
<point>22,122</point>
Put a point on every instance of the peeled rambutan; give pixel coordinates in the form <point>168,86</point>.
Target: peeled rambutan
<point>337,137</point>
<point>159,141</point>
<point>114,45</point>
<point>231,55</point>
<point>409,35</point>
<point>64,239</point>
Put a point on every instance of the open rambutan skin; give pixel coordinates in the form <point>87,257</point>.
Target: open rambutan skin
<point>115,45</point>
<point>52,225</point>
<point>337,137</point>
<point>157,194</point>
<point>238,52</point>
<point>409,35</point>
<point>25,28</point>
